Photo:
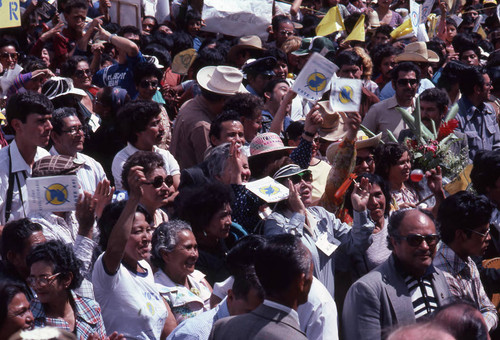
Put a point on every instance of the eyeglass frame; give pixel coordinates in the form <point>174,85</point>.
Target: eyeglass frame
<point>81,73</point>
<point>73,131</point>
<point>483,235</point>
<point>408,82</point>
<point>420,237</point>
<point>6,55</point>
<point>369,160</point>
<point>32,280</point>
<point>168,180</point>
<point>300,175</point>
<point>149,84</point>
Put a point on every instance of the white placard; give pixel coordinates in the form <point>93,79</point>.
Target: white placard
<point>425,10</point>
<point>345,95</point>
<point>314,77</point>
<point>126,12</point>
<point>53,193</point>
<point>238,17</point>
<point>268,189</point>
<point>414,16</point>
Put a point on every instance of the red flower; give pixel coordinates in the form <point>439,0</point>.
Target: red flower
<point>447,128</point>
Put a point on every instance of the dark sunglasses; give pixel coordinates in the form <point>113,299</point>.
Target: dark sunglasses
<point>82,73</point>
<point>306,176</point>
<point>158,181</point>
<point>360,160</point>
<point>405,82</point>
<point>5,55</point>
<point>416,240</point>
<point>146,84</point>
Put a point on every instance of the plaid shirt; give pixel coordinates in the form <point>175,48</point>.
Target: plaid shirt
<point>464,281</point>
<point>88,317</point>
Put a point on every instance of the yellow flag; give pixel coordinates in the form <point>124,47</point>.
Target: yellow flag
<point>358,32</point>
<point>183,61</point>
<point>402,30</point>
<point>481,32</point>
<point>332,22</point>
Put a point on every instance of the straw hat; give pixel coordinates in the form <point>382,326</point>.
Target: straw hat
<point>288,171</point>
<point>267,142</point>
<point>419,53</point>
<point>333,128</point>
<point>362,141</point>
<point>249,42</point>
<point>373,21</point>
<point>224,80</point>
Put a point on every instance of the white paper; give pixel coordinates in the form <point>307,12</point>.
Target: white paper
<point>53,193</point>
<point>346,95</point>
<point>414,16</point>
<point>425,10</point>
<point>315,77</point>
<point>128,12</point>
<point>238,17</point>
<point>268,189</point>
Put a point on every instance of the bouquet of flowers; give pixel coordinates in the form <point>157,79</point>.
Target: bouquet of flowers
<point>430,149</point>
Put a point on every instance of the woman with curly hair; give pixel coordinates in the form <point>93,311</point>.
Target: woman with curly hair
<point>55,273</point>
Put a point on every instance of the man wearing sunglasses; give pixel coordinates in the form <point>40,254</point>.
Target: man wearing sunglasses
<point>384,116</point>
<point>464,220</point>
<point>403,289</point>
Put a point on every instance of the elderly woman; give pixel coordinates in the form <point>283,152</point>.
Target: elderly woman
<point>175,252</point>
<point>123,280</point>
<point>54,274</point>
<point>158,186</point>
<point>393,164</point>
<point>320,231</point>
<point>207,209</point>
<point>15,313</point>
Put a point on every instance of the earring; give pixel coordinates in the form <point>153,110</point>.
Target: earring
<point>205,233</point>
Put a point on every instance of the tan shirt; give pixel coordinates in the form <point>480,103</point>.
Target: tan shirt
<point>190,133</point>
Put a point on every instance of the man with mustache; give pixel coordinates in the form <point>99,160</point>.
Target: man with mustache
<point>464,220</point>
<point>403,289</point>
<point>140,123</point>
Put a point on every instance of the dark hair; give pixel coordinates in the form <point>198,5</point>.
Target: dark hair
<point>207,56</point>
<point>384,51</point>
<point>20,105</point>
<point>149,160</point>
<point>191,15</point>
<point>160,52</point>
<point>212,96</point>
<point>373,179</point>
<point>9,42</point>
<point>247,105</point>
<point>32,64</point>
<point>63,259</point>
<point>77,4</point>
<point>384,29</point>
<point>14,235</point>
<point>110,216</point>
<point>145,69</point>
<point>225,116</point>
<point>405,66</point>
<point>276,53</point>
<point>272,84</point>
<point>242,254</point>
<point>59,115</point>
<point>153,18</point>
<point>277,20</point>
<point>294,131</point>
<point>348,58</point>
<point>280,261</point>
<point>8,290</point>
<point>486,170</point>
<point>163,39</point>
<point>464,325</point>
<point>165,238</point>
<point>182,41</point>
<point>397,218</point>
<point>128,29</point>
<point>386,156</point>
<point>135,116</point>
<point>451,21</point>
<point>205,200</point>
<point>350,22</point>
<point>246,280</point>
<point>451,74</point>
<point>470,78</point>
<point>463,210</point>
<point>437,96</point>
<point>68,68</point>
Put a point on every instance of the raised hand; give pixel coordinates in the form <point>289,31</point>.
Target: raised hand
<point>295,204</point>
<point>361,194</point>
<point>135,181</point>
<point>103,196</point>
<point>85,214</point>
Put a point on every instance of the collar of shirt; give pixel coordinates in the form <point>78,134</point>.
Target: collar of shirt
<point>18,162</point>
<point>392,102</point>
<point>455,263</point>
<point>222,310</point>
<point>78,155</point>
<point>130,149</point>
<point>293,313</point>
<point>470,109</point>
<point>251,90</point>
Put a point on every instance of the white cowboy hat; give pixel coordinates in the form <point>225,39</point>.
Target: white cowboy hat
<point>224,80</point>
<point>250,42</point>
<point>362,141</point>
<point>419,53</point>
<point>59,86</point>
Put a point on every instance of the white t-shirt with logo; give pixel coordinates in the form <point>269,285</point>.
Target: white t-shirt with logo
<point>130,302</point>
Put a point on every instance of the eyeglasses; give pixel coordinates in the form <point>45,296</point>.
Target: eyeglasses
<point>483,235</point>
<point>287,33</point>
<point>74,130</point>
<point>41,281</point>
<point>158,181</point>
<point>147,83</point>
<point>368,160</point>
<point>405,82</point>
<point>306,176</point>
<point>6,55</point>
<point>416,240</point>
<point>82,73</point>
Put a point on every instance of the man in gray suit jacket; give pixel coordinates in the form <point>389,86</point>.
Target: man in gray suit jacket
<point>404,288</point>
<point>285,270</point>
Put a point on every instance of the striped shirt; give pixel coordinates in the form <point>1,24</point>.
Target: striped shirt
<point>422,295</point>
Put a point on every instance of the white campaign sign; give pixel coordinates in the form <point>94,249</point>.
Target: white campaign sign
<point>268,189</point>
<point>425,10</point>
<point>346,95</point>
<point>238,17</point>
<point>314,77</point>
<point>54,193</point>
<point>414,16</point>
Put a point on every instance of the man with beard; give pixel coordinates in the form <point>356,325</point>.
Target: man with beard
<point>67,137</point>
<point>140,123</point>
<point>464,220</point>
<point>384,116</point>
<point>403,289</point>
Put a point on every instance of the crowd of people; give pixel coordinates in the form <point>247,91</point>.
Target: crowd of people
<point>390,225</point>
